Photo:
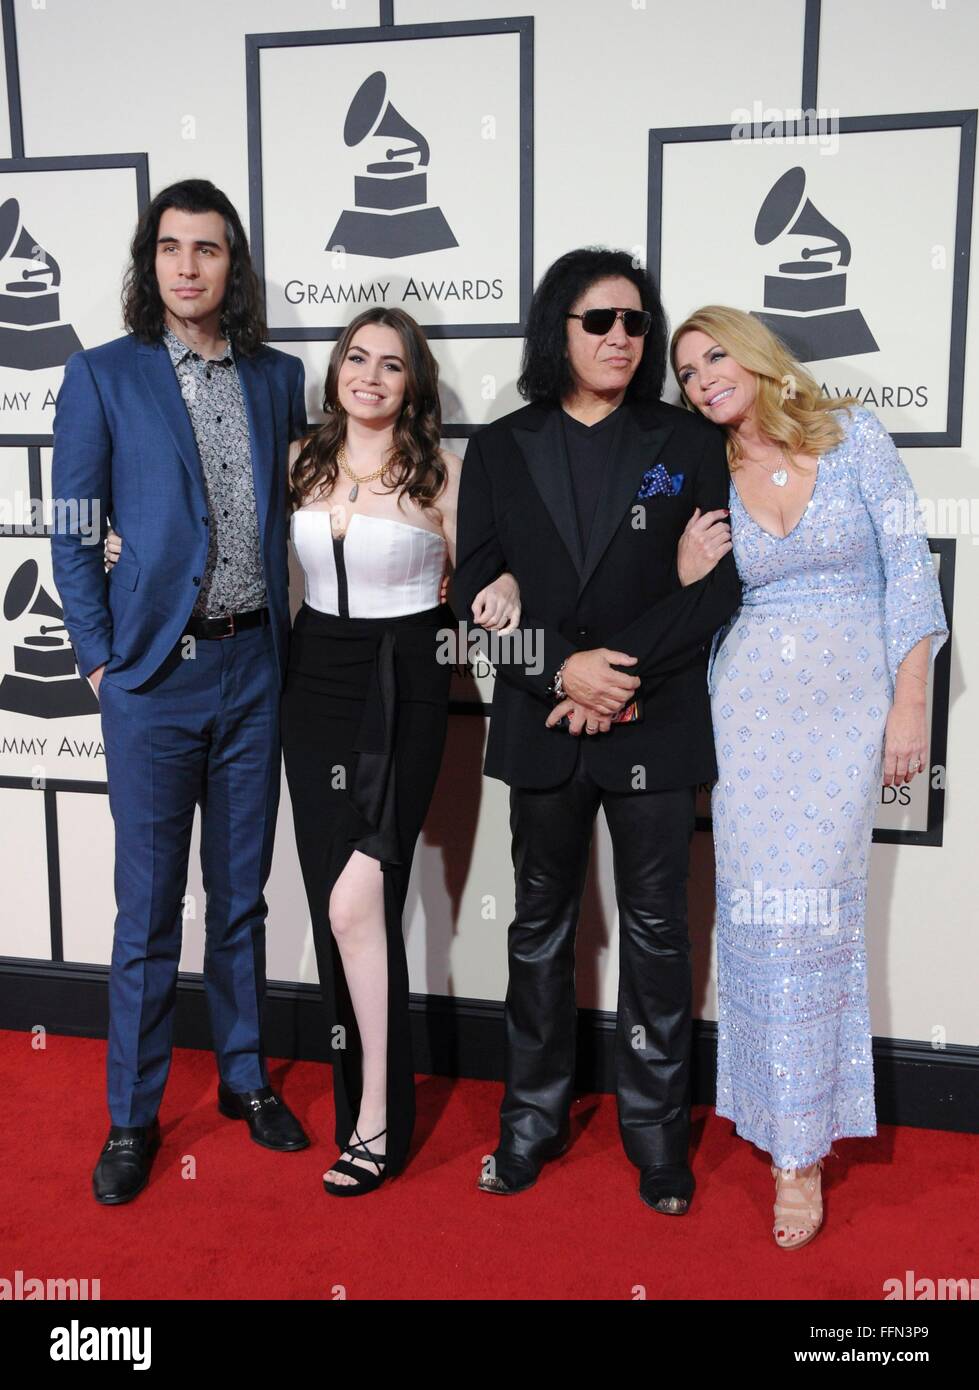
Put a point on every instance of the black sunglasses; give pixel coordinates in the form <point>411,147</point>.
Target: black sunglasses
<point>635,321</point>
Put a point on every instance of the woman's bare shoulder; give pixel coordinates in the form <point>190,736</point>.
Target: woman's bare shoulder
<point>452,462</point>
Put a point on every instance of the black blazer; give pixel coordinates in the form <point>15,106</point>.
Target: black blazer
<point>516,512</point>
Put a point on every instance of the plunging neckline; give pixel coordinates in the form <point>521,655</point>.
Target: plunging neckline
<point>802,516</point>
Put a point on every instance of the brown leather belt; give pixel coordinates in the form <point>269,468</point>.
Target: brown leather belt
<point>227,624</point>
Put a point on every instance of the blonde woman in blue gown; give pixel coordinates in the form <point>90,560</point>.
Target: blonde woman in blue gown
<point>818,697</point>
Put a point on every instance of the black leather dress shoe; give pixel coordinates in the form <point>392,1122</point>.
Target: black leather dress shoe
<point>123,1169</point>
<point>272,1123</point>
<point>509,1174</point>
<point>667,1188</point>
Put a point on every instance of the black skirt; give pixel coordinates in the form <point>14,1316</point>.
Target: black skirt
<point>364,715</point>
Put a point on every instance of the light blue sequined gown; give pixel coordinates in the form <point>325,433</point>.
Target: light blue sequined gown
<point>801,682</point>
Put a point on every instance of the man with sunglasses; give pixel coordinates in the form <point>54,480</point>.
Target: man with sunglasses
<point>587,494</point>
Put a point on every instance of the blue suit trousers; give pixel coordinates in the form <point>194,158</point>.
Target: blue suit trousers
<point>203,731</point>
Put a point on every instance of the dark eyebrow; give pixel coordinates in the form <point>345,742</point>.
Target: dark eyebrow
<point>175,241</point>
<point>385,356</point>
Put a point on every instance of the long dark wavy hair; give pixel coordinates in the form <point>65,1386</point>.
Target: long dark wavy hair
<point>545,373</point>
<point>243,316</point>
<point>414,466</point>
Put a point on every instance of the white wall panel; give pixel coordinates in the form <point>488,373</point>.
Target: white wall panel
<point>127,76</point>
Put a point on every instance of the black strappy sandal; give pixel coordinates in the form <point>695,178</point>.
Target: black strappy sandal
<point>366,1180</point>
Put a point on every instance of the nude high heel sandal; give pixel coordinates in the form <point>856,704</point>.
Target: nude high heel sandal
<point>798,1205</point>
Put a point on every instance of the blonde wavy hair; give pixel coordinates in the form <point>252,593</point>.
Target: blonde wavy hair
<point>791,409</point>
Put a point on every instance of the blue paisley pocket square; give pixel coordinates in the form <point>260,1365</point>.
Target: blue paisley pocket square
<point>657,482</point>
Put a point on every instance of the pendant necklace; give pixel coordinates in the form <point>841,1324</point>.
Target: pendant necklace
<point>342,461</point>
<point>781,474</point>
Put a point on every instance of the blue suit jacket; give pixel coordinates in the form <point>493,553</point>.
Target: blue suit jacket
<point>123,440</point>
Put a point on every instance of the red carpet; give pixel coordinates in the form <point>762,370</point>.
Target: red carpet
<point>254,1224</point>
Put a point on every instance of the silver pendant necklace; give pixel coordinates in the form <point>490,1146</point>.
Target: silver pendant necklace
<point>781,474</point>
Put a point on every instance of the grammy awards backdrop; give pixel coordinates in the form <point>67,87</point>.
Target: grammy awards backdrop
<point>374,231</point>
<point>813,163</point>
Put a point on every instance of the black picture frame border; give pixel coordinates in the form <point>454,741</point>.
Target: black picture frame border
<point>965,121</point>
<point>810,53</point>
<point>941,688</point>
<point>35,488</point>
<point>523,26</point>
<point>15,111</point>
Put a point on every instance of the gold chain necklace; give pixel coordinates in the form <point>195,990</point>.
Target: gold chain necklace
<point>342,461</point>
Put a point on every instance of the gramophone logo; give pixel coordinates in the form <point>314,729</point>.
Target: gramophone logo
<point>804,302</point>
<point>45,682</point>
<point>391,216</point>
<point>32,335</point>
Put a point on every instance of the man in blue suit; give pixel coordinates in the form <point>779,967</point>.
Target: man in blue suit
<point>179,432</point>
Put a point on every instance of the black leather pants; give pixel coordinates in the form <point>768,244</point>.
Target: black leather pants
<point>650,834</point>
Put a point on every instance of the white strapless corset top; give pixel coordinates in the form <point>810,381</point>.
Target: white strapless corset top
<point>379,569</point>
